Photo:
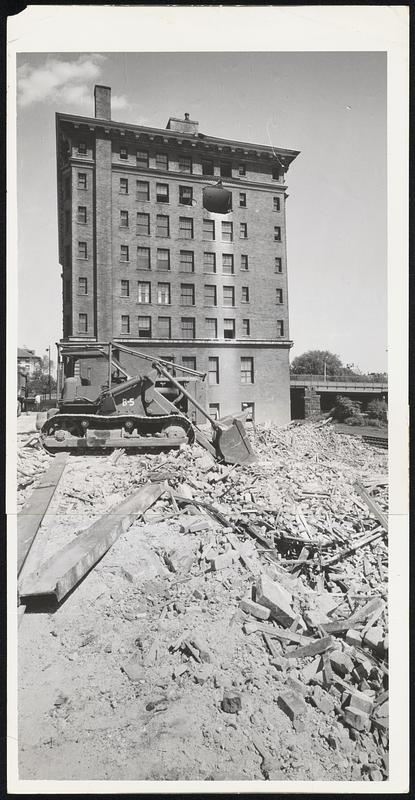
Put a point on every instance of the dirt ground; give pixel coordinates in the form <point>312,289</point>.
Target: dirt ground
<point>125,679</point>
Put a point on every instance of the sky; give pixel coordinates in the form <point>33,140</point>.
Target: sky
<point>330,106</point>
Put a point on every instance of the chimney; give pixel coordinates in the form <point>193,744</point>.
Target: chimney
<point>102,96</point>
<point>187,126</point>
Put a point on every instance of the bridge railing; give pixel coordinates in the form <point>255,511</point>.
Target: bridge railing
<point>337,378</point>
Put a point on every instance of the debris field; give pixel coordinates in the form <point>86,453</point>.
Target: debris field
<point>233,627</point>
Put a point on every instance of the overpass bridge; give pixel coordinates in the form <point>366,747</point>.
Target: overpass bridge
<point>314,393</point>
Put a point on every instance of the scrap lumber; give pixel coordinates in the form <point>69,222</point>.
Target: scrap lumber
<point>278,633</point>
<point>372,506</point>
<point>30,517</point>
<point>314,648</point>
<point>60,573</point>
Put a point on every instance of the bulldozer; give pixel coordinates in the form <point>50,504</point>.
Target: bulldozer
<point>149,410</point>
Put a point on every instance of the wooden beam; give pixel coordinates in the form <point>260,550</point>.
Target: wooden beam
<point>33,511</point>
<point>60,573</point>
<point>372,506</point>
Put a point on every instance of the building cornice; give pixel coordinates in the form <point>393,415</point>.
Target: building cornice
<point>166,343</point>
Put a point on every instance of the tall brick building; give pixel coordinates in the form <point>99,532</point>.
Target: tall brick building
<point>144,263</point>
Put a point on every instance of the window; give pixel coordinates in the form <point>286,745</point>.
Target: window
<point>277,233</point>
<point>242,199</point>
<point>250,408</point>
<point>185,164</point>
<point>227,231</point>
<point>278,293</point>
<point>214,410</point>
<point>226,169</point>
<point>187,294</point>
<point>82,323</point>
<point>186,227</point>
<point>189,362</point>
<point>247,370</point>
<point>123,219</point>
<point>123,153</point>
<point>162,192</point>
<point>188,327</point>
<point>278,264</point>
<point>82,250</point>
<point>276,204</point>
<point>124,252</point>
<point>123,185</point>
<point>81,217</point>
<point>163,259</point>
<point>280,327</point>
<point>142,158</point>
<point>227,264</point>
<point>187,261</point>
<point>125,323</point>
<point>275,174</point>
<point>144,292</point>
<point>82,181</point>
<point>82,149</point>
<point>245,294</point>
<point>185,195</point>
<point>163,294</point>
<point>125,288</point>
<point>143,257</point>
<point>162,226</point>
<point>162,161</point>
<point>209,229</point>
<point>213,370</point>
<point>210,298</point>
<point>164,327</point>
<point>207,167</point>
<point>143,224</point>
<point>82,286</point>
<point>242,170</point>
<point>142,190</point>
<point>209,262</point>
<point>246,327</point>
<point>228,296</point>
<point>244,263</point>
<point>144,327</point>
<point>228,328</point>
<point>243,230</point>
<point>211,328</point>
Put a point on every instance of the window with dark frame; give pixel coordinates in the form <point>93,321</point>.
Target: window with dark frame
<point>82,151</point>
<point>210,295</point>
<point>247,369</point>
<point>228,295</point>
<point>213,370</point>
<point>209,229</point>
<point>243,230</point>
<point>123,219</point>
<point>242,199</point>
<point>83,323</point>
<point>164,327</point>
<point>278,264</point>
<point>185,195</point>
<point>225,169</point>
<point>211,327</point>
<point>143,224</point>
<point>244,263</point>
<point>227,264</point>
<point>162,192</point>
<point>162,161</point>
<point>144,292</point>
<point>163,259</point>
<point>276,204</point>
<point>246,327</point>
<point>277,233</point>
<point>124,252</point>
<point>125,323</point>
<point>242,170</point>
<point>185,164</point>
<point>187,261</point>
<point>81,216</point>
<point>209,262</point>
<point>162,226</point>
<point>123,185</point>
<point>82,180</point>
<point>186,227</point>
<point>188,326</point>
<point>82,285</point>
<point>278,293</point>
<point>124,153</point>
<point>245,294</point>
<point>250,407</point>
<point>187,294</point>
<point>82,250</point>
<point>280,327</point>
<point>143,258</point>
<point>214,410</point>
<point>144,327</point>
<point>142,191</point>
<point>125,288</point>
<point>163,294</point>
<point>228,328</point>
<point>227,231</point>
<point>207,167</point>
<point>142,158</point>
<point>275,174</point>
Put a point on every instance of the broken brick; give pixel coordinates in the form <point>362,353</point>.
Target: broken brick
<point>223,561</point>
<point>231,702</point>
<point>255,609</point>
<point>273,596</point>
<point>134,671</point>
<point>356,719</point>
<point>321,700</point>
<point>292,704</point>
<point>358,700</point>
<point>373,638</point>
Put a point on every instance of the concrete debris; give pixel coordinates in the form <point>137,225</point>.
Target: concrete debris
<point>257,590</point>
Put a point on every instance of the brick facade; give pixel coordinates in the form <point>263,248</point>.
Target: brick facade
<point>125,281</point>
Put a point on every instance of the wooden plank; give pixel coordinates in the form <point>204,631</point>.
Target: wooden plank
<point>278,633</point>
<point>32,513</point>
<point>372,506</point>
<point>60,573</point>
<point>313,649</point>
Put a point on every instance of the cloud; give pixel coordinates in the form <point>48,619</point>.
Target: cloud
<point>63,82</point>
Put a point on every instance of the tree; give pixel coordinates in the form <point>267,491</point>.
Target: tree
<point>312,363</point>
<point>38,383</point>
<point>45,364</point>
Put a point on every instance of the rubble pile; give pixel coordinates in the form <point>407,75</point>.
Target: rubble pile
<point>238,629</point>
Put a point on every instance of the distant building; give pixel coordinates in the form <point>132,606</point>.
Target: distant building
<point>144,263</point>
<point>27,361</point>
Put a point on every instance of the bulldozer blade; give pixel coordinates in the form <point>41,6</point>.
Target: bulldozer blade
<point>233,445</point>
